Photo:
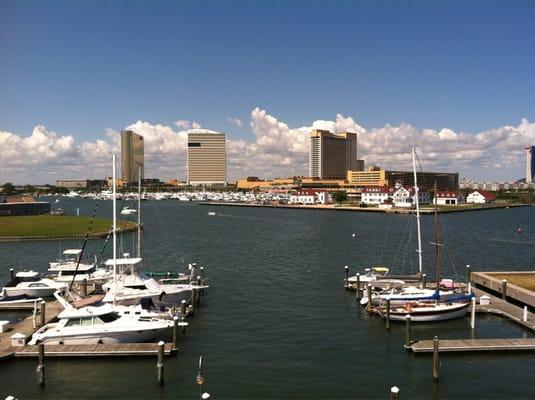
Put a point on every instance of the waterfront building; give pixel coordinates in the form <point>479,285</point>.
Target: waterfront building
<point>22,205</point>
<point>480,197</point>
<point>132,156</point>
<point>207,157</point>
<point>375,176</point>
<point>80,183</point>
<point>403,197</point>
<point>310,197</point>
<point>375,195</point>
<point>448,198</point>
<point>331,155</point>
<point>530,163</point>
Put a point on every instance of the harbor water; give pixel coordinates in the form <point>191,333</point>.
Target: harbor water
<point>276,322</point>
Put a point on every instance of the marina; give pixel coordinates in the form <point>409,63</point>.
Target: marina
<point>282,316</point>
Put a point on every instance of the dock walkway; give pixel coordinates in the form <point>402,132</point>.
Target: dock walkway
<point>463,345</point>
<point>94,350</point>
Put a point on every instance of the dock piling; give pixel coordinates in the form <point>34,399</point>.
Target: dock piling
<point>183,314</point>
<point>84,288</point>
<point>387,314</point>
<point>159,365</point>
<point>41,365</point>
<point>469,287</point>
<point>473,314</point>
<point>11,273</point>
<point>525,314</point>
<point>407,331</point>
<point>436,360</point>
<point>504,289</point>
<point>468,274</point>
<point>423,283</point>
<point>175,332</point>
<point>198,290</point>
<point>369,292</point>
<point>358,287</point>
<point>42,312</point>
<point>394,393</point>
<point>346,279</point>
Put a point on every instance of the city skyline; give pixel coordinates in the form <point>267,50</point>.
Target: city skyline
<point>453,78</point>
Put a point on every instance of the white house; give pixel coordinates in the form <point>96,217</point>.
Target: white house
<point>403,197</point>
<point>375,195</point>
<point>308,196</point>
<point>448,198</point>
<point>480,197</point>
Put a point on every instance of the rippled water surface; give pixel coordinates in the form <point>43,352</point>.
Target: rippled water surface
<point>276,322</point>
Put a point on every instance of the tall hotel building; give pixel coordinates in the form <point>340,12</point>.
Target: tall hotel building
<point>132,156</point>
<point>530,163</point>
<point>207,157</point>
<point>331,155</point>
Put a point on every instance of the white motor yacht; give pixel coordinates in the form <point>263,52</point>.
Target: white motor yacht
<point>130,286</point>
<point>69,268</point>
<point>29,283</point>
<point>100,324</point>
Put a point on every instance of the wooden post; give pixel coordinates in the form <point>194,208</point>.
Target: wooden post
<point>159,365</point>
<point>42,315</point>
<point>346,279</point>
<point>407,331</point>
<point>473,314</point>
<point>175,332</point>
<point>12,273</point>
<point>468,277</point>
<point>369,305</point>
<point>423,283</point>
<point>525,316</point>
<point>504,289</point>
<point>358,287</point>
<point>201,269</point>
<point>436,361</point>
<point>41,365</point>
<point>183,314</point>
<point>394,393</point>
<point>198,291</point>
<point>387,314</point>
<point>469,287</point>
<point>84,288</point>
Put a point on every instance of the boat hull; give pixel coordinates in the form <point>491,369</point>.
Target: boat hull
<point>417,315</point>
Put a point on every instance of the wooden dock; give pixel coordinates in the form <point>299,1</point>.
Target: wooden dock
<point>464,345</point>
<point>95,350</point>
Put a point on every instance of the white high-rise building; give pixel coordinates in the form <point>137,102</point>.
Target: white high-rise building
<point>207,157</point>
<point>530,163</point>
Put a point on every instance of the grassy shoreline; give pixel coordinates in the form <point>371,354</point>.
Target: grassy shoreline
<point>56,225</point>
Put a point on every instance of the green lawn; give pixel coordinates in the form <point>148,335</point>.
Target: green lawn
<point>55,225</point>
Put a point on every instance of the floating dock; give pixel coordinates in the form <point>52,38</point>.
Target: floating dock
<point>464,345</point>
<point>95,350</point>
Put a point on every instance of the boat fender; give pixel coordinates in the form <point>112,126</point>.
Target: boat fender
<point>161,295</point>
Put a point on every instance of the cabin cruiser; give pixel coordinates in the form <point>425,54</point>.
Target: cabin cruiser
<point>377,277</point>
<point>31,284</point>
<point>100,324</point>
<point>129,286</point>
<point>70,268</point>
<point>128,210</point>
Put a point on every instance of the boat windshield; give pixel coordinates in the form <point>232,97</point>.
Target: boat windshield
<point>110,317</point>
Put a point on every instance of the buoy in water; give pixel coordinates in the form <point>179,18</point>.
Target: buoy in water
<point>519,230</point>
<point>353,235</point>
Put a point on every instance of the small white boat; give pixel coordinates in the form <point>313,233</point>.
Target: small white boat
<point>15,302</point>
<point>29,283</point>
<point>377,277</point>
<point>100,324</point>
<point>128,210</point>
<point>211,213</point>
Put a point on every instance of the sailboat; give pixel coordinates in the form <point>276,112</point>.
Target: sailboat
<point>424,305</point>
<point>105,323</point>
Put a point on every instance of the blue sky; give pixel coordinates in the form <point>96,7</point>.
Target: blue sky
<point>80,67</point>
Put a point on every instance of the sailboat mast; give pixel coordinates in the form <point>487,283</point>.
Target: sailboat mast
<point>437,241</point>
<point>114,185</point>
<point>417,199</point>
<point>139,214</point>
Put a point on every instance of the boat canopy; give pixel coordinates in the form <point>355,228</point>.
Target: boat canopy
<point>123,261</point>
<point>89,311</point>
<point>72,252</point>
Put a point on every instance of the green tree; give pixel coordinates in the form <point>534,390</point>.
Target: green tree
<point>9,188</point>
<point>340,196</point>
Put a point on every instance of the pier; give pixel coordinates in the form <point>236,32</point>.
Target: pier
<point>465,345</point>
<point>95,350</point>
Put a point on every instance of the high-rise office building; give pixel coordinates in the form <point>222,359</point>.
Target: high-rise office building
<point>331,155</point>
<point>530,163</point>
<point>132,156</point>
<point>207,157</point>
